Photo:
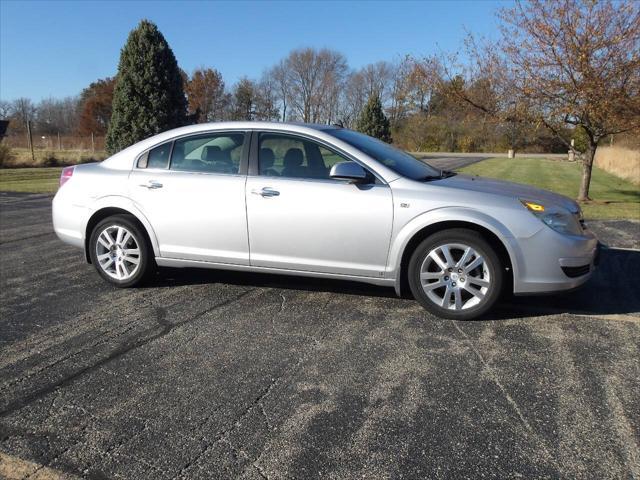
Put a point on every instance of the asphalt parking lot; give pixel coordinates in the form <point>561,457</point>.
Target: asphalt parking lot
<point>208,374</point>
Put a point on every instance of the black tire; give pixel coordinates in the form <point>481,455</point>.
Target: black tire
<point>494,270</point>
<point>146,264</point>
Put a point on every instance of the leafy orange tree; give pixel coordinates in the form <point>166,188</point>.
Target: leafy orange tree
<point>206,96</point>
<point>564,65</point>
<point>95,107</point>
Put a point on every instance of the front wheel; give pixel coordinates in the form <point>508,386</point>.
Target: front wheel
<point>120,251</point>
<point>455,274</point>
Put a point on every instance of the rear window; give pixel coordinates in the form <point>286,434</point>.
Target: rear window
<point>157,157</point>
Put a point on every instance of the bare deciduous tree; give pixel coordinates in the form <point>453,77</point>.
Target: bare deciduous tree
<point>23,110</point>
<point>377,79</point>
<point>313,79</point>
<point>57,116</point>
<point>423,79</point>
<point>279,77</point>
<point>373,80</point>
<point>354,97</point>
<point>399,91</point>
<point>267,99</point>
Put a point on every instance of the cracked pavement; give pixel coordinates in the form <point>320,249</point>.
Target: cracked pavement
<point>207,374</point>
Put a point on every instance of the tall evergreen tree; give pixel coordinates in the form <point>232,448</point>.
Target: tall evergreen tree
<point>373,121</point>
<point>148,97</point>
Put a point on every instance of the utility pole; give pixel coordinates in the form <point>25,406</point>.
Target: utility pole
<point>33,156</point>
<point>93,144</point>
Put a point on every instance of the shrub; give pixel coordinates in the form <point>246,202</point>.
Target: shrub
<point>5,155</point>
<point>466,144</point>
<point>49,160</point>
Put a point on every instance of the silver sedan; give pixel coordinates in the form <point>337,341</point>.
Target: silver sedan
<point>320,201</point>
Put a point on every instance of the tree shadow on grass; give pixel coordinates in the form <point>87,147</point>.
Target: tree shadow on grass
<point>635,194</point>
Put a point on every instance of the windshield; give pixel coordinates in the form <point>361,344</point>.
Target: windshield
<point>397,160</point>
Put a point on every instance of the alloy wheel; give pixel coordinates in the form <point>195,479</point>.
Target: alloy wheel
<point>455,276</point>
<point>118,252</point>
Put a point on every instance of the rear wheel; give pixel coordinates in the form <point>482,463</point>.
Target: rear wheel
<point>120,251</point>
<point>455,274</point>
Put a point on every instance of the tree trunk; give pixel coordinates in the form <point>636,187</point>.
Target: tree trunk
<point>587,166</point>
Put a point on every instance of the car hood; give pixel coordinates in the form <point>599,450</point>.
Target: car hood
<point>509,189</point>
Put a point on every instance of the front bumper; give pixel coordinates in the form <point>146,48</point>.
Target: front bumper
<point>553,262</point>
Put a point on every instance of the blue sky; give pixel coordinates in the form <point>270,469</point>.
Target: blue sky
<point>56,48</point>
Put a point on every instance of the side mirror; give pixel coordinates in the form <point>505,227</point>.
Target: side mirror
<point>349,171</point>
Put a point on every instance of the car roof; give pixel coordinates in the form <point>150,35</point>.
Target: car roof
<point>271,124</point>
<point>255,125</point>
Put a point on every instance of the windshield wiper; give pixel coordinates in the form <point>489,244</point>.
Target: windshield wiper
<point>440,176</point>
<point>427,178</point>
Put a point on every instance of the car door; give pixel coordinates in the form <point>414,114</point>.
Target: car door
<point>192,192</point>
<point>301,219</point>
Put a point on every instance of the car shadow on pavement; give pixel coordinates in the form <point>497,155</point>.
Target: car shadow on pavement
<point>613,289</point>
<point>168,277</point>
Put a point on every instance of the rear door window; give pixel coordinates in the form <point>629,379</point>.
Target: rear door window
<point>211,153</point>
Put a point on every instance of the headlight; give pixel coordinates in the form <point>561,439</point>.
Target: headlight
<point>555,217</point>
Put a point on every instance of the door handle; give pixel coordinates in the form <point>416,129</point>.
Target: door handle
<point>151,185</point>
<point>266,192</point>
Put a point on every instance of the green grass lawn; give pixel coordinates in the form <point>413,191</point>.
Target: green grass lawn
<point>613,198</point>
<point>36,180</point>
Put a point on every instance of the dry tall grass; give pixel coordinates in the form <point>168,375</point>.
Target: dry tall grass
<point>21,157</point>
<point>620,161</point>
